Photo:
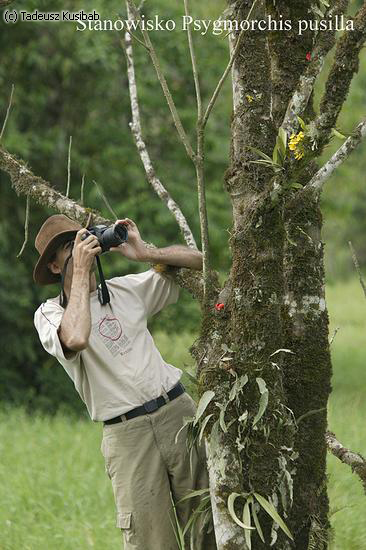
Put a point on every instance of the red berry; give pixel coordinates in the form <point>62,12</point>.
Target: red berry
<point>308,56</point>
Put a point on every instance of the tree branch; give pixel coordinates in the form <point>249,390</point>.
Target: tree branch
<point>227,70</point>
<point>7,112</point>
<point>26,183</point>
<point>142,149</point>
<point>199,165</point>
<point>318,180</point>
<point>323,44</point>
<point>26,226</point>
<point>69,167</point>
<point>352,459</point>
<point>357,266</point>
<point>346,63</point>
<point>178,124</point>
<point>194,67</point>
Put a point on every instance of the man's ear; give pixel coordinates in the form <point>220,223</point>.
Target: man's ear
<point>54,267</point>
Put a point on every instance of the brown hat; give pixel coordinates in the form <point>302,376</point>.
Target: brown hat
<point>54,232</point>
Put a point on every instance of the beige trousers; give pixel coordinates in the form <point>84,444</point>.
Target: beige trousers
<point>148,470</point>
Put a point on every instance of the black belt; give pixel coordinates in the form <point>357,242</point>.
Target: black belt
<point>150,406</point>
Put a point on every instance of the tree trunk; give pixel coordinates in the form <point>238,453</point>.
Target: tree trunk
<point>273,299</point>
<point>308,372</point>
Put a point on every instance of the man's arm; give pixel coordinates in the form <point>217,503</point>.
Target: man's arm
<point>135,249</point>
<point>75,327</point>
<point>178,255</point>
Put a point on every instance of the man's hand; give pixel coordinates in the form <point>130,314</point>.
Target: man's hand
<point>85,250</point>
<point>134,248</point>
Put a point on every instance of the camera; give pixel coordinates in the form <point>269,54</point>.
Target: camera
<point>108,236</point>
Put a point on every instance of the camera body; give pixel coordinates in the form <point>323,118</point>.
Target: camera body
<point>108,236</point>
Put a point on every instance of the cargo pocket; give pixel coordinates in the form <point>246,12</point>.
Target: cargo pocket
<point>124,520</point>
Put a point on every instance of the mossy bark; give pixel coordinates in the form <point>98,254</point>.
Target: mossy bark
<point>308,371</point>
<point>273,299</point>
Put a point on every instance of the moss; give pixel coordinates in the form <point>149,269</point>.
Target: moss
<point>308,372</point>
<point>345,65</point>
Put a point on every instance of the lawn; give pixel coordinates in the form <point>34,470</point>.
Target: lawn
<point>56,495</point>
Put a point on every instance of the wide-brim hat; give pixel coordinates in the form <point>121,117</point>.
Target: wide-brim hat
<point>55,231</point>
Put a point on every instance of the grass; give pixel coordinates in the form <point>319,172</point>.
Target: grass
<point>347,412</point>
<point>55,494</point>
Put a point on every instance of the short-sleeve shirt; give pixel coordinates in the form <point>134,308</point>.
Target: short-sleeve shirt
<point>121,368</point>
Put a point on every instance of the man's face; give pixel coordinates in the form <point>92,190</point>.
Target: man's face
<point>57,264</point>
<point>62,254</point>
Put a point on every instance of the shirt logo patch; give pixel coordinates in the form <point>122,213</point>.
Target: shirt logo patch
<point>109,330</point>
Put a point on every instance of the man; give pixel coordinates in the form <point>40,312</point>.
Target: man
<point>119,373</point>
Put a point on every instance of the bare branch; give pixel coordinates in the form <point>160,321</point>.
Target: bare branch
<point>142,149</point>
<point>334,335</point>
<point>26,225</point>
<point>324,43</point>
<point>352,459</point>
<point>318,180</point>
<point>199,165</point>
<point>7,112</point>
<point>82,190</point>
<point>68,167</point>
<point>227,70</point>
<point>194,67</point>
<point>105,200</point>
<point>26,183</point>
<point>345,65</point>
<point>357,266</point>
<point>178,124</point>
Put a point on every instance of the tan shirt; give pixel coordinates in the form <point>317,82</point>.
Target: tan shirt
<point>121,368</point>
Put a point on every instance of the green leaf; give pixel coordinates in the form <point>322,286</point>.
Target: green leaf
<point>204,401</point>
<point>302,123</point>
<point>296,185</point>
<point>222,420</point>
<point>256,522</point>
<point>204,424</point>
<point>178,530</point>
<point>271,510</point>
<point>230,506</point>
<point>338,134</point>
<point>260,153</point>
<point>186,420</point>
<point>276,156</point>
<point>247,521</point>
<point>238,386</point>
<point>283,139</point>
<point>263,402</point>
<point>193,494</point>
<point>279,152</point>
<point>265,162</point>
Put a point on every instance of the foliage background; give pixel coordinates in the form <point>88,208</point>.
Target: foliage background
<point>74,83</point>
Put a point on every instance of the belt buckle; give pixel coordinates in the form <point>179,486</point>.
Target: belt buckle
<point>151,406</point>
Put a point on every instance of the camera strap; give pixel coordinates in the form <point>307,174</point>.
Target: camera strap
<point>103,293</point>
<point>63,299</point>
